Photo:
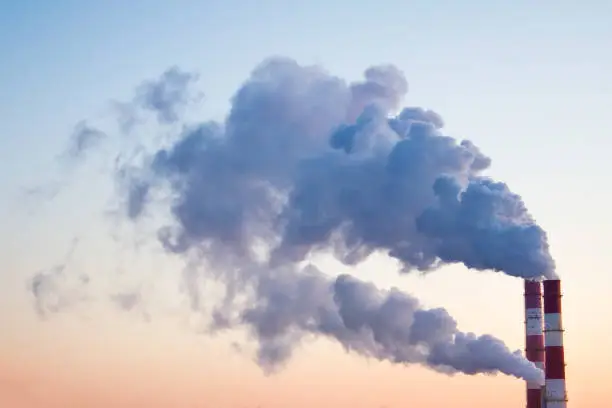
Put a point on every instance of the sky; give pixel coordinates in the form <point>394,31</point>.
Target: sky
<point>529,84</point>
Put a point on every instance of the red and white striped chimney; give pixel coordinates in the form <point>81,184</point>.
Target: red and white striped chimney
<point>534,338</point>
<point>555,394</point>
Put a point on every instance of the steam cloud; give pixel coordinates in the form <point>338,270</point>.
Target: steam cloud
<point>386,325</point>
<point>314,163</point>
<point>307,163</point>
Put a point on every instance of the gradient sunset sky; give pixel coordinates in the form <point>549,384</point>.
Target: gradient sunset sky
<point>530,84</point>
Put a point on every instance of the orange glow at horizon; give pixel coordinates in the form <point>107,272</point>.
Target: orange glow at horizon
<point>177,372</point>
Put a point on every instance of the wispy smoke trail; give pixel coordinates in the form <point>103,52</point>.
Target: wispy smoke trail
<point>55,290</point>
<point>84,138</point>
<point>165,97</point>
<point>306,163</point>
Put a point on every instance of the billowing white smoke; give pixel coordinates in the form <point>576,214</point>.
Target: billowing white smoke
<point>306,163</point>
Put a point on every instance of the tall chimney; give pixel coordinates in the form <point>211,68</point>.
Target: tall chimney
<point>534,338</point>
<point>555,394</point>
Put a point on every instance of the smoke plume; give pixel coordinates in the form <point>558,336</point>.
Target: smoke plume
<point>386,325</point>
<point>307,163</point>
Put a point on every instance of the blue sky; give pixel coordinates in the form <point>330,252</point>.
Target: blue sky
<point>63,60</point>
<point>521,81</point>
<point>529,84</point>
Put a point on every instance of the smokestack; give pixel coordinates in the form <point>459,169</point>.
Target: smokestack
<point>534,338</point>
<point>555,392</point>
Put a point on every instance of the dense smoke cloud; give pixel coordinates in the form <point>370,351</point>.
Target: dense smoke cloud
<point>386,325</point>
<point>307,163</point>
<point>291,165</point>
